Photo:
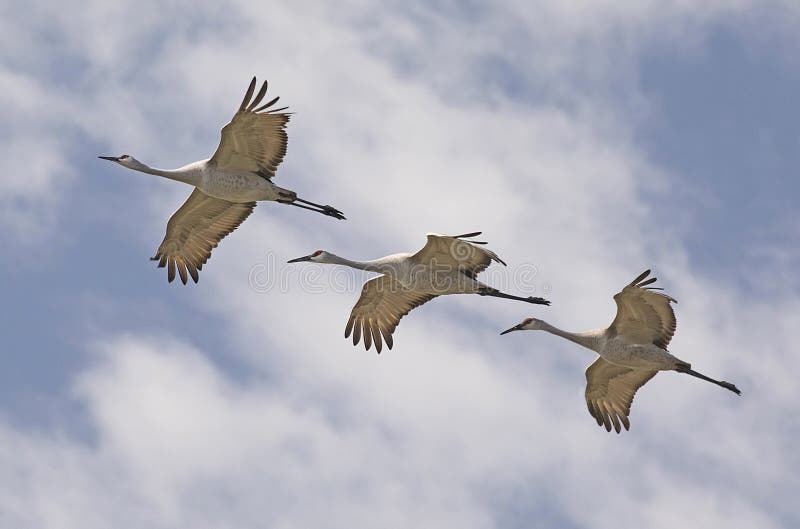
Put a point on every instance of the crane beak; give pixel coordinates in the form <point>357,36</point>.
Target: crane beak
<point>109,158</point>
<point>514,328</point>
<point>299,259</point>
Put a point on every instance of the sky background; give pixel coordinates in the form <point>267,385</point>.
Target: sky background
<point>587,140</point>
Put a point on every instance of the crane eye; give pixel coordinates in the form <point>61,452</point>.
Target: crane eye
<point>527,321</point>
<point>316,253</point>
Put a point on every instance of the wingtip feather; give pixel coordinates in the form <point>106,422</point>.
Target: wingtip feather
<point>248,94</point>
<point>261,93</point>
<point>640,277</point>
<point>269,104</point>
<point>468,235</point>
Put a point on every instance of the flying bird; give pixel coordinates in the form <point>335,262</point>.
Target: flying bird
<point>632,350</point>
<point>445,265</point>
<point>226,186</point>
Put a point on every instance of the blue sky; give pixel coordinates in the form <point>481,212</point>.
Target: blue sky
<point>726,125</point>
<point>588,140</point>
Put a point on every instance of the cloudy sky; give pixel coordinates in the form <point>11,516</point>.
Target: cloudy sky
<point>587,140</point>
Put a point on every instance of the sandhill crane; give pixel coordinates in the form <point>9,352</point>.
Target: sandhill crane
<point>445,265</point>
<point>227,185</point>
<point>632,350</point>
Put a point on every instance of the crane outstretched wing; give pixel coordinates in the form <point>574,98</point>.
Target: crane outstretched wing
<point>455,251</point>
<point>194,230</point>
<point>382,304</point>
<point>609,392</point>
<point>255,139</point>
<point>644,316</point>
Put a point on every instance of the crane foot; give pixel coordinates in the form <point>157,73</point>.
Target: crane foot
<point>333,212</point>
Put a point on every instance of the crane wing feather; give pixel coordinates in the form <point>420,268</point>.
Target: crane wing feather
<point>609,392</point>
<point>455,251</point>
<point>644,315</point>
<point>255,140</point>
<point>194,230</point>
<point>382,304</point>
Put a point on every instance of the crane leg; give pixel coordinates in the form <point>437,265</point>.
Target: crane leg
<point>493,292</point>
<point>721,383</point>
<point>326,209</point>
<point>330,211</point>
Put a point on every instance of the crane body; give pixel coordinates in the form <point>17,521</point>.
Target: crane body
<point>445,265</point>
<point>227,185</point>
<point>632,350</point>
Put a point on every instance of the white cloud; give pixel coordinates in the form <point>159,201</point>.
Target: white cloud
<point>388,442</point>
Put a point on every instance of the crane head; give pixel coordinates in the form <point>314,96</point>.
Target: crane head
<point>316,257</point>
<point>125,159</point>
<point>528,324</point>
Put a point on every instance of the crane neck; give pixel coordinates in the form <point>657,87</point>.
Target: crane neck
<point>370,266</point>
<point>188,174</point>
<point>591,339</point>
